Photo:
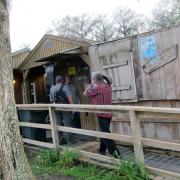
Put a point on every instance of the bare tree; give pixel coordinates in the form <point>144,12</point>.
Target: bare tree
<point>166,13</point>
<point>127,22</point>
<point>13,162</point>
<point>103,29</point>
<point>75,26</point>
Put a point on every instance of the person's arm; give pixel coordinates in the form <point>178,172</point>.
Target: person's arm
<point>51,98</point>
<point>68,92</point>
<point>91,90</point>
<point>70,100</point>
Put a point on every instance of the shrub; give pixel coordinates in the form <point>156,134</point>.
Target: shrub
<point>68,159</point>
<point>132,170</point>
<point>47,157</point>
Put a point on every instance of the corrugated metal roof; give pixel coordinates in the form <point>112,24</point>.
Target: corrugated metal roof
<point>50,45</point>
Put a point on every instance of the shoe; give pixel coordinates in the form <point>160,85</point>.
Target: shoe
<point>117,155</point>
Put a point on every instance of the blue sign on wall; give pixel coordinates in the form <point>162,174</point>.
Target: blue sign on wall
<point>148,47</point>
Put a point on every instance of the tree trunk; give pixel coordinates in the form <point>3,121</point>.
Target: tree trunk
<point>13,162</point>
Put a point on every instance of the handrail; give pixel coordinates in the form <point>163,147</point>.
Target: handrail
<point>102,108</point>
<point>135,113</point>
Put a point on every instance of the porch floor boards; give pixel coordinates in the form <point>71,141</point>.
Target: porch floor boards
<point>164,162</point>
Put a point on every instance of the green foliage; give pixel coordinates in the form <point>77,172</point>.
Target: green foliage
<point>48,157</point>
<point>52,161</point>
<point>68,159</point>
<point>132,170</point>
<point>166,13</point>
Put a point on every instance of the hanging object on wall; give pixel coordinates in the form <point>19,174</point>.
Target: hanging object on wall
<point>72,70</point>
<point>148,47</point>
<point>49,72</point>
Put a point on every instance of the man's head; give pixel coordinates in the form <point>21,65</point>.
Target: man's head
<point>69,79</point>
<point>59,79</point>
<point>98,78</point>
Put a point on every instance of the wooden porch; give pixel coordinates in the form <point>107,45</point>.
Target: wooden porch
<point>157,162</point>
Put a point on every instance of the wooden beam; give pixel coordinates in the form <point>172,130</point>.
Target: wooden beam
<point>136,134</point>
<point>163,173</point>
<point>115,65</point>
<point>38,143</point>
<point>161,144</point>
<point>117,137</point>
<point>121,88</point>
<point>123,138</point>
<point>54,127</point>
<point>35,125</point>
<point>109,108</point>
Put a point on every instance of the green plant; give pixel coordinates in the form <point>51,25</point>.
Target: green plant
<point>47,157</point>
<point>132,170</point>
<point>67,163</point>
<point>68,159</point>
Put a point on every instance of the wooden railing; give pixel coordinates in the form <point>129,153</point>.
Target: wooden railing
<point>135,113</point>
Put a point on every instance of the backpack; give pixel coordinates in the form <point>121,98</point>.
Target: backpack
<point>60,97</point>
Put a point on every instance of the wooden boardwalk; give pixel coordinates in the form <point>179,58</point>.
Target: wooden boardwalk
<point>155,160</point>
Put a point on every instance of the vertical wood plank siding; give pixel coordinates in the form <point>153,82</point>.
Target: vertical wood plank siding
<point>18,58</point>
<point>48,46</point>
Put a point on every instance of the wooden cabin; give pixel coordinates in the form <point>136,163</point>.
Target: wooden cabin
<point>52,56</point>
<point>145,70</point>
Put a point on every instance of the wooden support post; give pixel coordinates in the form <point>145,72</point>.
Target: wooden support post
<point>54,128</point>
<point>136,134</point>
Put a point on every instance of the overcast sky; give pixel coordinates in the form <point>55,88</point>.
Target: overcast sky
<point>30,19</point>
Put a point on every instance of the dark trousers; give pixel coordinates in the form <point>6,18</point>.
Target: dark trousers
<point>77,120</point>
<point>104,125</point>
<point>64,119</point>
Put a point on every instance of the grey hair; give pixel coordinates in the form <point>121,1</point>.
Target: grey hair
<point>98,77</point>
<point>59,79</point>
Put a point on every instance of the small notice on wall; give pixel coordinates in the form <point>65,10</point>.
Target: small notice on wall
<point>71,70</point>
<point>148,47</point>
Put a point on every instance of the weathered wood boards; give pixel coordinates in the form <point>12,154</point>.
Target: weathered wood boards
<point>135,139</point>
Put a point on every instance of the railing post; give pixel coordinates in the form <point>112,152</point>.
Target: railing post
<point>54,128</point>
<point>136,134</point>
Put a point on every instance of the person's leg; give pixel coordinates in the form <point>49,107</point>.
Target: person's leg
<point>110,144</point>
<point>59,121</point>
<point>67,120</point>
<point>77,120</point>
<point>102,149</point>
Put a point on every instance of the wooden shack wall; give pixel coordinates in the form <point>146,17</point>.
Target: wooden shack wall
<point>157,80</point>
<point>114,59</point>
<point>18,87</point>
<point>36,76</point>
<point>18,58</point>
<point>164,129</point>
<point>49,46</point>
<point>159,75</point>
